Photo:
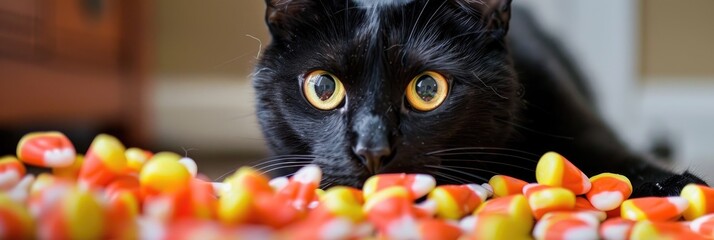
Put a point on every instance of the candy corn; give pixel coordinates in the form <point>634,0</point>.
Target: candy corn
<point>164,174</point>
<point>703,225</point>
<point>554,170</point>
<point>11,171</point>
<point>118,193</point>
<point>417,184</point>
<point>609,191</point>
<point>543,199</point>
<point>456,201</point>
<point>46,149</point>
<point>104,161</point>
<point>15,220</point>
<point>653,208</point>
<point>645,230</point>
<point>505,186</point>
<point>701,201</point>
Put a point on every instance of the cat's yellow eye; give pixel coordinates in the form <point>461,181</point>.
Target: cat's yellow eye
<point>427,91</point>
<point>323,90</point>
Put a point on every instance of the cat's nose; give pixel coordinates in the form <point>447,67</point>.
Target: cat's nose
<point>371,142</point>
<point>372,156</point>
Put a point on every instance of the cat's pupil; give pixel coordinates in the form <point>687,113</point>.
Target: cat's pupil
<point>426,87</point>
<point>324,86</point>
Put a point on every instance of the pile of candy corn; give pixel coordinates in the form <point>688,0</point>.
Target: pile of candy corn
<point>116,193</point>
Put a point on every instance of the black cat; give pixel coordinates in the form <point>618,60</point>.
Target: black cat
<point>361,87</point>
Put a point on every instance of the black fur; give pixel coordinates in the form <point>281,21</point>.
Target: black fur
<point>510,100</point>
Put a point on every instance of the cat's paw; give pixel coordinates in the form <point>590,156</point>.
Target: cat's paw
<point>670,186</point>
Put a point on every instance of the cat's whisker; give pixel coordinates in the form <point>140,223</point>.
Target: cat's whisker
<point>486,153</point>
<point>426,26</point>
<point>481,148</point>
<point>453,169</point>
<point>264,161</point>
<point>263,168</point>
<point>327,183</point>
<point>535,131</point>
<point>409,39</point>
<point>454,179</point>
<point>282,167</point>
<point>488,162</point>
<point>470,33</point>
<point>291,158</point>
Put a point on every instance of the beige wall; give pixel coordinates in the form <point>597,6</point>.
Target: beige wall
<point>208,37</point>
<point>677,39</point>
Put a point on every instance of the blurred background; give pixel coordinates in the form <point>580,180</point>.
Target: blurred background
<point>174,74</point>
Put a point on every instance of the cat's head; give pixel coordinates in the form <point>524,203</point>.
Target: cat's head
<point>368,86</point>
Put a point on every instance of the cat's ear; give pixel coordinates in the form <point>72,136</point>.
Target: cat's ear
<point>494,13</point>
<point>282,16</point>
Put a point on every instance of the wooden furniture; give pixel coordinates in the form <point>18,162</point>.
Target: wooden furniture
<point>74,63</point>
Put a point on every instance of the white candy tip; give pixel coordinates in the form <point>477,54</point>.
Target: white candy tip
<point>468,224</point>
<point>480,191</point>
<point>489,188</point>
<point>679,202</point>
<point>218,187</point>
<point>423,184</point>
<point>59,157</point>
<point>338,228</point>
<point>278,183</point>
<point>310,173</point>
<point>696,225</point>
<point>190,165</point>
<point>607,200</point>
<point>428,206</point>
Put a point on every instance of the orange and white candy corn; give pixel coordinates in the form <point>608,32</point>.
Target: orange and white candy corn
<point>417,184</point>
<point>190,165</point>
<point>516,207</point>
<point>11,171</point>
<point>331,228</point>
<point>128,184</point>
<point>78,215</point>
<point>276,211</point>
<point>487,226</point>
<point>505,186</point>
<point>341,201</point>
<point>136,157</point>
<point>543,199</point>
<point>608,191</point>
<point>567,225</point>
<point>248,179</point>
<point>15,220</point>
<point>203,199</point>
<point>21,191</point>
<point>122,210</point>
<point>616,229</point>
<point>235,207</point>
<point>428,229</point>
<point>703,225</point>
<point>393,204</point>
<point>45,191</point>
<point>70,172</point>
<point>583,205</point>
<point>104,161</point>
<point>46,149</point>
<point>300,190</point>
<point>190,229</point>
<point>456,201</point>
<point>556,171</point>
<point>238,194</point>
<point>646,230</point>
<point>164,174</point>
<point>653,208</point>
<point>700,198</point>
